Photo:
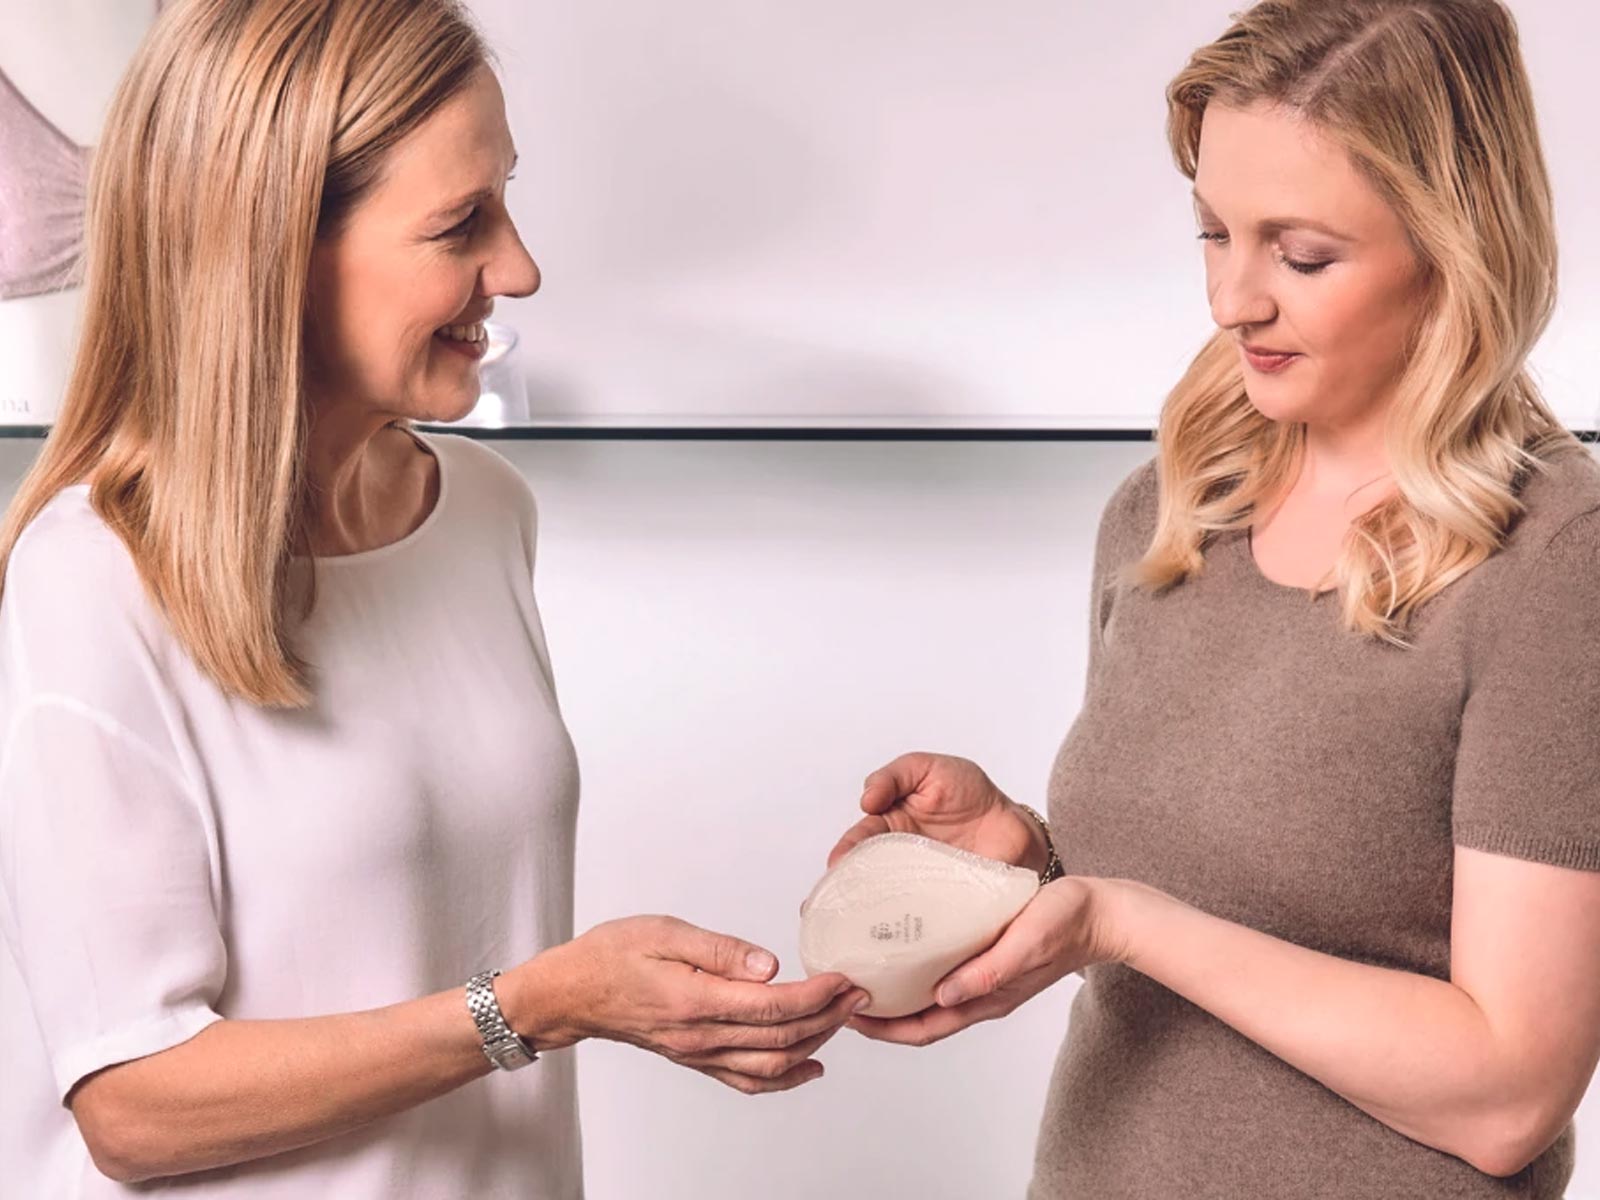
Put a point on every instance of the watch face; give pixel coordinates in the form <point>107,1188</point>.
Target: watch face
<point>510,1055</point>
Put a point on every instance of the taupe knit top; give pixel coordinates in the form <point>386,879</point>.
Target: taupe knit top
<point>1240,750</point>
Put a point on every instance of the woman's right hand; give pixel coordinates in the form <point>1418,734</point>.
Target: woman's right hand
<point>698,998</point>
<point>948,799</point>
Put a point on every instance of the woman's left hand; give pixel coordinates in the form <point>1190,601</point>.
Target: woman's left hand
<point>1061,930</point>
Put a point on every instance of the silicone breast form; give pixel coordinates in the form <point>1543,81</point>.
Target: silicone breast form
<point>899,911</point>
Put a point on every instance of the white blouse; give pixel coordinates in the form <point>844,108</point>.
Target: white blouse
<point>170,856</point>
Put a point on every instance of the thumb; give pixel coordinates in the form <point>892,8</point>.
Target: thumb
<point>893,781</point>
<point>1006,960</point>
<point>720,954</point>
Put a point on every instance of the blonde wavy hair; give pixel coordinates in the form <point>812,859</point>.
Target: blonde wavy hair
<point>1431,101</point>
<point>242,131</point>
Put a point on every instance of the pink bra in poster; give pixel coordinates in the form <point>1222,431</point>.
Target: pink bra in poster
<point>42,184</point>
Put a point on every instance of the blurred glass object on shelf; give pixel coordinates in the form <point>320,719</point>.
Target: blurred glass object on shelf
<point>502,395</point>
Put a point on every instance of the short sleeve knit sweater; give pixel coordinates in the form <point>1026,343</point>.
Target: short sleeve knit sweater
<point>1241,750</point>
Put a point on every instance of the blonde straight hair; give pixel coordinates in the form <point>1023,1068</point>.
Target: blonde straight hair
<point>243,130</point>
<point>1432,103</point>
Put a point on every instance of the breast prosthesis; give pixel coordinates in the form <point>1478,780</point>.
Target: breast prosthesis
<point>900,911</point>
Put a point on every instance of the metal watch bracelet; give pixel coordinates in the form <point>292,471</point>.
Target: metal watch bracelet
<point>501,1045</point>
<point>1053,869</point>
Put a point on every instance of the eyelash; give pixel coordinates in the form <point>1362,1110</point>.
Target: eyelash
<point>1303,268</point>
<point>464,226</point>
<point>460,228</point>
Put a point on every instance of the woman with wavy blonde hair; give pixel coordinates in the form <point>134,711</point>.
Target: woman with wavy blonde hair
<point>265,845</point>
<point>1328,830</point>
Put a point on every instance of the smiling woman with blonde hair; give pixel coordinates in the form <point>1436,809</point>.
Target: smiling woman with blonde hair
<point>283,782</point>
<point>1328,821</point>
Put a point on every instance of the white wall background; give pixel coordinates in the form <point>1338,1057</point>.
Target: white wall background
<point>901,208</point>
<point>940,211</point>
<point>740,632</point>
<point>904,209</point>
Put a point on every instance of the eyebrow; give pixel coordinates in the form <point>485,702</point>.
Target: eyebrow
<point>470,199</point>
<point>1282,224</point>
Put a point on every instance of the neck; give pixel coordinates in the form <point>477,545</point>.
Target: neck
<point>1342,459</point>
<point>349,477</point>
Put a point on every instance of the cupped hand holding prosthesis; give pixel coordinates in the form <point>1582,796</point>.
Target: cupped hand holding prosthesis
<point>944,922</point>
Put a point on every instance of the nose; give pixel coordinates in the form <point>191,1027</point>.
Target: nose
<point>510,270</point>
<point>1237,287</point>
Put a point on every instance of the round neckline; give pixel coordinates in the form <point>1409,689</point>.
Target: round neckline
<point>377,552</point>
<point>361,557</point>
<point>1245,546</point>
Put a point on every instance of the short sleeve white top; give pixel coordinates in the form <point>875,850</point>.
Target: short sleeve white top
<point>170,856</point>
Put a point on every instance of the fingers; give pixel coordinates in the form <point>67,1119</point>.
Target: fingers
<point>893,781</point>
<point>1024,947</point>
<point>765,1052</point>
<point>717,953</point>
<point>867,827</point>
<point>753,1085</point>
<point>792,1033</point>
<point>931,1024</point>
<point>764,1064</point>
<point>983,975</point>
<point>768,1003</point>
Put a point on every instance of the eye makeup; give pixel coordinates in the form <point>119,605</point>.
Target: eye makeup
<point>1309,264</point>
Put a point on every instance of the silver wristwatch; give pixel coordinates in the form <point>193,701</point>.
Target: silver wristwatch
<point>501,1045</point>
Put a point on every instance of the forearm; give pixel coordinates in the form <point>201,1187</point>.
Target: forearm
<point>242,1090</point>
<point>1415,1052</point>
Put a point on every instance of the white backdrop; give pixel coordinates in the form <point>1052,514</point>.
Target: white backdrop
<point>852,212</point>
<point>749,209</point>
<point>934,210</point>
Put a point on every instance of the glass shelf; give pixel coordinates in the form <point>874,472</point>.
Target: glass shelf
<point>802,429</point>
<point>788,429</point>
<point>731,427</point>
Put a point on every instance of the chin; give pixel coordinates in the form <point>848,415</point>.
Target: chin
<point>461,411</point>
<point>441,410</point>
<point>1277,406</point>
